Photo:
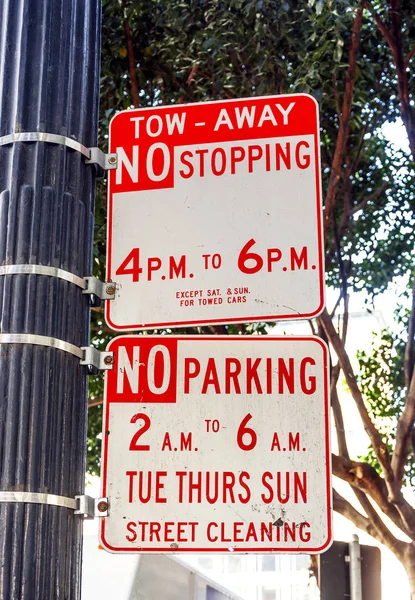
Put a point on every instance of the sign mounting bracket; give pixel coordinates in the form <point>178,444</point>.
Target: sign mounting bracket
<point>81,505</point>
<point>88,355</point>
<point>94,156</point>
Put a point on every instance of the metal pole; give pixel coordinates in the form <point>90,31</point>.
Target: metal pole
<point>49,75</point>
<point>355,569</point>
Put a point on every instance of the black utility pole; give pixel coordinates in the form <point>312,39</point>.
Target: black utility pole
<point>49,75</point>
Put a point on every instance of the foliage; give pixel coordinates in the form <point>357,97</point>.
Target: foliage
<point>382,382</point>
<point>355,59</point>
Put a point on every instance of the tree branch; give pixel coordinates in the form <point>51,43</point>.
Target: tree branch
<point>395,495</point>
<point>94,402</point>
<point>403,432</point>
<point>132,65</point>
<point>365,478</point>
<point>343,507</point>
<point>362,205</point>
<point>337,413</point>
<point>336,94</point>
<point>394,41</point>
<point>409,348</point>
<point>103,329</point>
<point>408,59</point>
<point>163,71</point>
<point>378,445</point>
<point>382,27</point>
<point>344,119</point>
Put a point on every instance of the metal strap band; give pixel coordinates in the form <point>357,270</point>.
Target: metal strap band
<point>41,340</point>
<point>43,270</point>
<point>89,355</point>
<point>90,285</point>
<point>93,155</point>
<point>37,498</point>
<point>53,138</point>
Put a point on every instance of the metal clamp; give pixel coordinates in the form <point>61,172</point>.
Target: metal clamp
<point>100,289</point>
<point>81,505</point>
<point>89,355</point>
<point>90,285</point>
<point>93,155</point>
<point>107,162</point>
<point>91,507</point>
<point>103,361</point>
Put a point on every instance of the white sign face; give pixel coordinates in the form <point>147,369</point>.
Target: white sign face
<point>217,444</point>
<point>214,213</point>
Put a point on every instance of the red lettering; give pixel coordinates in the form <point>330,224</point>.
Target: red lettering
<point>131,475</point>
<point>232,374</point>
<point>311,388</point>
<point>278,486</point>
<point>302,160</point>
<point>223,537</point>
<point>237,533</point>
<point>291,530</point>
<point>269,376</point>
<point>193,525</point>
<point>211,377</point>
<point>159,487</point>
<point>181,537</point>
<point>293,441</point>
<point>244,499</point>
<point>188,164</point>
<point>228,487</point>
<point>286,375</point>
<point>251,533</point>
<point>286,157</point>
<point>237,155</point>
<point>190,373</point>
<point>252,374</point>
<point>212,497</point>
<point>300,487</point>
<point>166,442</point>
<point>133,536</point>
<point>275,442</point>
<point>210,537</point>
<point>218,170</point>
<point>254,154</point>
<point>304,535</point>
<point>195,485</point>
<point>181,475</point>
<point>155,529</point>
<point>267,499</point>
<point>201,154</point>
<point>168,527</point>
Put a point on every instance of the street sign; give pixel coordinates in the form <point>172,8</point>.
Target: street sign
<point>217,444</point>
<point>214,213</point>
<point>335,572</point>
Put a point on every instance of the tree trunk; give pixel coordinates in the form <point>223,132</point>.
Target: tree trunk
<point>408,561</point>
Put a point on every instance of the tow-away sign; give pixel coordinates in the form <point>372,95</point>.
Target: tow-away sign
<point>215,213</point>
<point>216,444</point>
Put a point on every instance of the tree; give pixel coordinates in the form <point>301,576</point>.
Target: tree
<point>355,58</point>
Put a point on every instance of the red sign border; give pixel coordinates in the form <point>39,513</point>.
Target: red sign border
<point>223,550</point>
<point>144,326</point>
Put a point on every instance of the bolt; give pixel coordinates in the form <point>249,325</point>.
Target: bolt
<point>112,160</point>
<point>110,290</point>
<point>102,506</point>
<point>109,360</point>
